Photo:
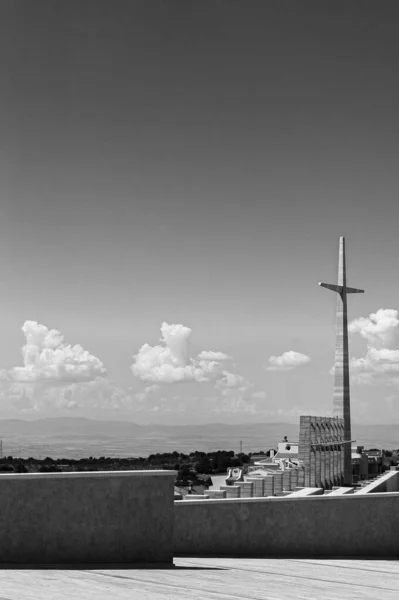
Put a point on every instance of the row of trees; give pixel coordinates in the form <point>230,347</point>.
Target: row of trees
<point>187,465</point>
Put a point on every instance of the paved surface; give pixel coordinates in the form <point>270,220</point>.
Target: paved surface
<point>211,579</point>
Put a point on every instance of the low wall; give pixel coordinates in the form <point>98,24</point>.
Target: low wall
<point>387,483</point>
<point>350,525</point>
<point>87,517</point>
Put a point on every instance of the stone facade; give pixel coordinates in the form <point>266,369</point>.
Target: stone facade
<point>321,451</point>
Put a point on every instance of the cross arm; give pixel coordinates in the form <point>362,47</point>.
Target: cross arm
<point>350,290</point>
<point>330,286</point>
<point>339,288</point>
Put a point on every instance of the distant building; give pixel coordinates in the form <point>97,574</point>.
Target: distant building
<point>287,456</point>
<point>366,463</point>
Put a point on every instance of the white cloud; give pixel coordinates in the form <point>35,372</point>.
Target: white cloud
<point>379,329</point>
<point>287,361</point>
<point>232,384</point>
<point>380,363</point>
<point>58,376</point>
<point>376,363</point>
<point>211,355</point>
<point>47,358</point>
<point>170,361</point>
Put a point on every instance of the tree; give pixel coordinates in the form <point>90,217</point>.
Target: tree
<point>203,466</point>
<point>20,468</point>
<point>184,470</point>
<point>5,468</point>
<point>49,469</point>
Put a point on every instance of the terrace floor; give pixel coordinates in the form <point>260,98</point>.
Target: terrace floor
<point>209,579</point>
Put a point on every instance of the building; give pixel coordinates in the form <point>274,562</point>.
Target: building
<point>366,464</point>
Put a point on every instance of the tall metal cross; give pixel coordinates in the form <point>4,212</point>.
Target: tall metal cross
<point>341,402</point>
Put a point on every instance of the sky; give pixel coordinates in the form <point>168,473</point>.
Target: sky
<point>174,179</point>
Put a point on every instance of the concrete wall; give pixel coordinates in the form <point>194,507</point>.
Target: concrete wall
<point>351,525</point>
<point>98,517</point>
<point>387,483</point>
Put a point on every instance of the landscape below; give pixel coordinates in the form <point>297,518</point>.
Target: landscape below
<point>76,438</point>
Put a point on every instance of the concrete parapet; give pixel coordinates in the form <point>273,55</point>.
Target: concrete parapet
<point>87,517</point>
<point>319,526</point>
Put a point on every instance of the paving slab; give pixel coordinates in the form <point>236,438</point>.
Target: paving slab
<point>209,579</point>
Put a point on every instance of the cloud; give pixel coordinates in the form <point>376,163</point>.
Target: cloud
<point>170,361</point>
<point>147,391</point>
<point>380,363</point>
<point>58,376</point>
<point>377,363</point>
<point>47,358</point>
<point>379,329</point>
<point>211,355</point>
<point>287,361</point>
<point>45,397</point>
<point>229,380</point>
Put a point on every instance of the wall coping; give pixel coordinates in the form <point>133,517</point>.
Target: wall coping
<point>314,498</point>
<point>87,474</point>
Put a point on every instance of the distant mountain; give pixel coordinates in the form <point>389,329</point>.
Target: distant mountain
<point>67,426</point>
<point>81,437</point>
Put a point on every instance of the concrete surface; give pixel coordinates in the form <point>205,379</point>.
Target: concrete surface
<point>99,517</point>
<point>211,579</point>
<point>387,483</point>
<point>339,526</point>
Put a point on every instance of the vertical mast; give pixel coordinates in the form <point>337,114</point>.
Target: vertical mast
<point>341,398</point>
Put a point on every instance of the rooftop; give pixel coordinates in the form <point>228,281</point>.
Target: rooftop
<point>210,579</point>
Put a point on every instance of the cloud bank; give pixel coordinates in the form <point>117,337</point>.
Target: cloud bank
<point>56,377</point>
